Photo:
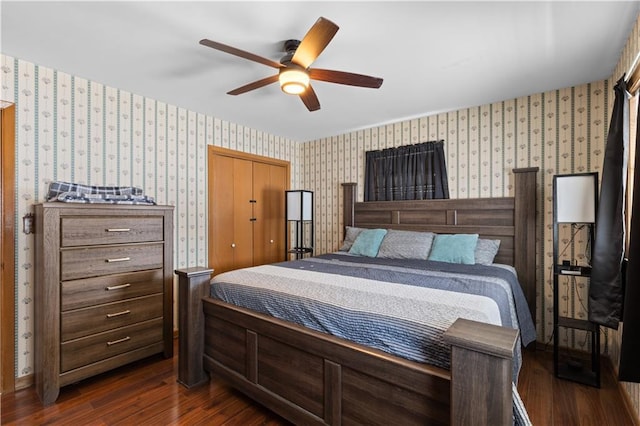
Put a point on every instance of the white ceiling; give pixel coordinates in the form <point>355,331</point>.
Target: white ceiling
<point>433,56</point>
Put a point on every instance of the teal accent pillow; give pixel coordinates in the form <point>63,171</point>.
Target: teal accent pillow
<point>454,248</point>
<point>368,242</point>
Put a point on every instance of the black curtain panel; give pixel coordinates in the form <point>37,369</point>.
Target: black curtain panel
<point>410,172</point>
<point>605,289</point>
<point>629,369</point>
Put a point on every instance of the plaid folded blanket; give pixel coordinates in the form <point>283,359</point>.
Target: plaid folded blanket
<point>77,193</point>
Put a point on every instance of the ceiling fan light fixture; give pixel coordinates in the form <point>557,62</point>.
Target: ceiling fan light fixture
<point>293,81</point>
<point>294,68</point>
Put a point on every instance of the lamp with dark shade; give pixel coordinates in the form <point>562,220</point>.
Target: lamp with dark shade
<point>299,213</point>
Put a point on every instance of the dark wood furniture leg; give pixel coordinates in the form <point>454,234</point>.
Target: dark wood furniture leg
<point>192,286</point>
<point>349,193</point>
<point>525,230</point>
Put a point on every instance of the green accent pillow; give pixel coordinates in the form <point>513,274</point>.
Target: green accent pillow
<point>368,242</point>
<point>454,248</point>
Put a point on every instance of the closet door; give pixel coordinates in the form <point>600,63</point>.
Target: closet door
<point>269,184</point>
<point>261,196</point>
<point>275,216</point>
<point>246,209</point>
<point>230,192</point>
<point>242,244</point>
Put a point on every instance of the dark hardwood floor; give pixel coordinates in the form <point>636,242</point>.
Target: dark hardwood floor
<point>552,401</point>
<point>146,393</point>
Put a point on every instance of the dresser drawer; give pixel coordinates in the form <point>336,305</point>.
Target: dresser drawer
<point>85,231</point>
<point>82,322</point>
<point>96,261</point>
<point>80,352</point>
<point>86,292</point>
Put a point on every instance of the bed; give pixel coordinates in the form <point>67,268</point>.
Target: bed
<point>311,377</point>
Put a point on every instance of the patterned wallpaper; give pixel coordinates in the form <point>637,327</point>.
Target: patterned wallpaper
<point>70,128</point>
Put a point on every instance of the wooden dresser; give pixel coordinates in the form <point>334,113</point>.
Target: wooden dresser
<point>103,290</point>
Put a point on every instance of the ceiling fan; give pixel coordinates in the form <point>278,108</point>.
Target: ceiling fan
<point>294,73</point>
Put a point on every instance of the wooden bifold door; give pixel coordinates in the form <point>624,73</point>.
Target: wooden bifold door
<point>246,209</point>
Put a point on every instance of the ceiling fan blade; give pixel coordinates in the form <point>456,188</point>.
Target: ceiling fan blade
<point>347,78</point>
<point>314,42</point>
<point>240,53</point>
<point>310,99</point>
<point>254,85</point>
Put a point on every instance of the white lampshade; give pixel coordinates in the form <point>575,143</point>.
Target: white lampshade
<point>299,205</point>
<point>575,198</point>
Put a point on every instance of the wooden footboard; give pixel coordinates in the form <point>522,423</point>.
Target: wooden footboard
<point>314,378</point>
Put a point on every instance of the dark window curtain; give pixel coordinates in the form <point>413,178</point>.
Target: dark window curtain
<point>411,172</point>
<point>605,288</point>
<point>629,369</point>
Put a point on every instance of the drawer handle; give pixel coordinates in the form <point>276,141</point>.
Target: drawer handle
<point>118,229</point>
<point>118,259</point>
<point>115,342</point>
<point>117,287</point>
<point>117,314</point>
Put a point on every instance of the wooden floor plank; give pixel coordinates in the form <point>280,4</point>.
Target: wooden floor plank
<point>146,393</point>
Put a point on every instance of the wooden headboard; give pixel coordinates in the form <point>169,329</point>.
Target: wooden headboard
<point>512,220</point>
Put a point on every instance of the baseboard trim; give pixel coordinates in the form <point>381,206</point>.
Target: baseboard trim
<point>24,382</point>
